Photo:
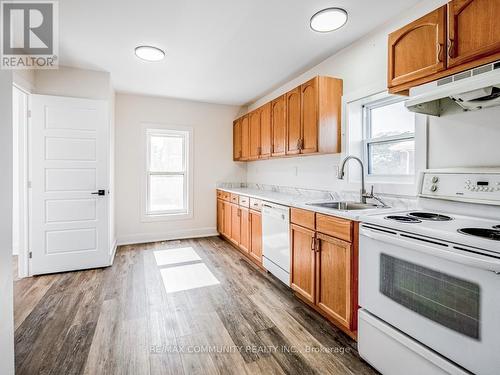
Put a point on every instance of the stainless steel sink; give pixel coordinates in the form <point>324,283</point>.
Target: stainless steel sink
<point>344,206</point>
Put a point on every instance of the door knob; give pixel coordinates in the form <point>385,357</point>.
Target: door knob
<point>99,192</point>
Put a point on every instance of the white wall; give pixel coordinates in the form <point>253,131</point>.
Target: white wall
<point>80,83</point>
<point>6,298</point>
<point>455,140</point>
<point>212,133</point>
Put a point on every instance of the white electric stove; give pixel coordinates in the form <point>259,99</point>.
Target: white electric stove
<point>429,279</point>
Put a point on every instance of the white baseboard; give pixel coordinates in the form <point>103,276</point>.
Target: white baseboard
<point>166,236</point>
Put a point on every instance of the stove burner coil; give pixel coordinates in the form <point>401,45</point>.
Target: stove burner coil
<point>403,219</point>
<point>490,234</point>
<point>430,216</point>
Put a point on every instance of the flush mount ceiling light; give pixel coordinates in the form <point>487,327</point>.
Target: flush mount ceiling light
<point>149,53</point>
<point>328,19</point>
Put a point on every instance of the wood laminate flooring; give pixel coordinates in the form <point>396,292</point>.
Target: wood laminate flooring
<point>176,307</point>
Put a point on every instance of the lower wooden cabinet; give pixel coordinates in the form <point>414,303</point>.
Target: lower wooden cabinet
<point>303,273</point>
<point>220,215</point>
<point>324,255</point>
<point>244,229</point>
<point>333,278</point>
<point>324,267</point>
<point>256,236</point>
<point>235,224</point>
<point>241,225</point>
<point>226,229</point>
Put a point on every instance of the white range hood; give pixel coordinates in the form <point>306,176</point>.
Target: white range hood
<point>471,90</point>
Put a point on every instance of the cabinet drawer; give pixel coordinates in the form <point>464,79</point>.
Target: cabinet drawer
<point>303,218</point>
<point>334,226</point>
<point>234,198</point>
<point>255,204</point>
<point>244,201</point>
<point>220,194</point>
<point>225,196</point>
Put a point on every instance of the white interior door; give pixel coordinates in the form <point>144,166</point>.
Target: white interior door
<point>69,165</point>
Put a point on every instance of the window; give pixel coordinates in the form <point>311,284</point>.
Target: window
<point>389,138</point>
<point>167,172</point>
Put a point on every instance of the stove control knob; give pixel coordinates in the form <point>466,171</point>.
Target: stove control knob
<point>435,179</point>
<point>434,187</point>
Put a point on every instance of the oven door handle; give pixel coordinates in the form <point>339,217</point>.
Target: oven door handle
<point>444,251</point>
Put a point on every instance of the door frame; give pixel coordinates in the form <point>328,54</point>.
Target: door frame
<point>23,167</point>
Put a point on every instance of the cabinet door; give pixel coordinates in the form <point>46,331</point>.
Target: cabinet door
<point>237,140</point>
<point>278,126</point>
<point>333,278</point>
<point>254,138</point>
<point>293,128</point>
<point>265,131</point>
<point>303,262</point>
<point>244,229</point>
<point>309,114</point>
<point>245,141</point>
<point>418,49</point>
<point>473,30</point>
<point>220,216</point>
<point>226,229</point>
<point>256,236</point>
<point>235,224</point>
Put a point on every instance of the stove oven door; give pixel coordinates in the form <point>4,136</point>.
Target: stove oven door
<point>447,299</point>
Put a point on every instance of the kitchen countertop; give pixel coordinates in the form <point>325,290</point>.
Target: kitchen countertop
<point>299,201</point>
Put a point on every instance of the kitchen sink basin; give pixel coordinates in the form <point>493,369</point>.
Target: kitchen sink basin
<point>344,206</point>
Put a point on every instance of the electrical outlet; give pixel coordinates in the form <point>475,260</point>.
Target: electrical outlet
<point>296,170</point>
<point>337,170</point>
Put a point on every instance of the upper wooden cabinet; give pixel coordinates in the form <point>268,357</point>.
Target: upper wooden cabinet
<point>418,49</point>
<point>237,139</point>
<point>245,141</point>
<point>265,130</point>
<point>278,126</point>
<point>254,136</point>
<point>456,37</point>
<point>473,30</point>
<point>305,120</point>
<point>309,116</point>
<point>259,124</point>
<point>293,122</point>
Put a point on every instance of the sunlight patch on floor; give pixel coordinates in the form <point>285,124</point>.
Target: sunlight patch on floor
<point>176,256</point>
<point>191,276</point>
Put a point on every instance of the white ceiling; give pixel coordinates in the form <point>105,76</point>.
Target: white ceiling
<point>218,51</point>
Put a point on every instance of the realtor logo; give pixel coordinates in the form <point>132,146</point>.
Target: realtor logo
<point>29,35</point>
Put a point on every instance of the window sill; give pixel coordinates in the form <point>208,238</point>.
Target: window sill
<point>166,217</point>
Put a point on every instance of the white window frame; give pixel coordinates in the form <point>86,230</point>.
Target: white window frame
<point>353,135</point>
<point>368,140</point>
<point>167,130</point>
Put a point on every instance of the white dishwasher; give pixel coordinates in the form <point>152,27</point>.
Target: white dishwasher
<point>276,240</point>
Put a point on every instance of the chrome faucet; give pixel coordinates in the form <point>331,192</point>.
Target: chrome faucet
<point>342,174</point>
<point>363,194</point>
